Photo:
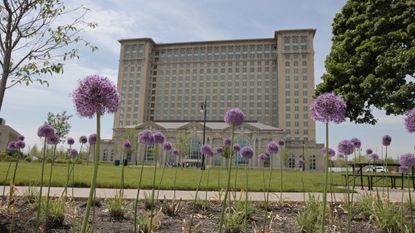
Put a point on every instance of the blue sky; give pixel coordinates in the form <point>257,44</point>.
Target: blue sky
<point>26,108</point>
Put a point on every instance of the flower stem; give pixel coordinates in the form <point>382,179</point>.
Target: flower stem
<point>50,181</point>
<point>138,190</point>
<point>197,192</point>
<point>227,185</point>
<point>281,175</point>
<point>152,195</point>
<point>410,205</point>
<point>122,177</point>
<point>246,196</point>
<point>326,174</point>
<point>5,181</point>
<point>41,186</point>
<point>94,177</point>
<point>162,175</point>
<point>268,188</point>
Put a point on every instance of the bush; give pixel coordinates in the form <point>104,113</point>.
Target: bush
<point>240,207</point>
<point>116,206</point>
<point>234,220</point>
<point>388,215</point>
<point>31,195</point>
<point>365,204</point>
<point>172,208</point>
<point>309,219</point>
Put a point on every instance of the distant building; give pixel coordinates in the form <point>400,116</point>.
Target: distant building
<point>163,85</point>
<point>7,134</point>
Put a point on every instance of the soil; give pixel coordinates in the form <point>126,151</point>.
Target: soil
<point>282,218</point>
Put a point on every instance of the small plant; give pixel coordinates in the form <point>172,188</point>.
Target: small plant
<point>116,206</point>
<point>148,202</point>
<point>172,208</point>
<point>234,220</point>
<point>30,195</point>
<point>240,207</point>
<point>387,215</point>
<point>365,204</point>
<point>56,211</point>
<point>143,222</point>
<point>310,218</point>
<point>200,204</point>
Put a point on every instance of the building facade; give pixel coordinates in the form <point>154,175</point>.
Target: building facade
<point>163,85</point>
<point>270,79</point>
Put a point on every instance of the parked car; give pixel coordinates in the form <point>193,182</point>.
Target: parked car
<point>377,169</point>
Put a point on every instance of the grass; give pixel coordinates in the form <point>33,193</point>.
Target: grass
<point>28,174</point>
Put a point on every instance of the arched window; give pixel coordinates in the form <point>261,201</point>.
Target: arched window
<point>313,162</point>
<point>238,159</point>
<point>291,161</point>
<point>195,148</point>
<point>149,157</point>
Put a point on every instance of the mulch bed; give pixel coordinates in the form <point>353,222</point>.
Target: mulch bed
<point>283,218</point>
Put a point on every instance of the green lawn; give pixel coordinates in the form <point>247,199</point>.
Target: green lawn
<point>187,178</point>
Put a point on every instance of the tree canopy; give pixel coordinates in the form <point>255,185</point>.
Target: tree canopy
<point>60,121</point>
<point>36,37</point>
<point>372,59</point>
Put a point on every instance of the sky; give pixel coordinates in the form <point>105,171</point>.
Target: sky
<point>25,108</point>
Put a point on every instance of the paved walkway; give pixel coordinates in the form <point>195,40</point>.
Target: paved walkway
<point>395,194</point>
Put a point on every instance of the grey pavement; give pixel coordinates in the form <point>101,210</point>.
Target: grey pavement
<point>395,195</point>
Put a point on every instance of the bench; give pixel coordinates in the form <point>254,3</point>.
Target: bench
<point>374,178</point>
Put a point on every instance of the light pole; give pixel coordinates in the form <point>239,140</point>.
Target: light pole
<point>203,109</point>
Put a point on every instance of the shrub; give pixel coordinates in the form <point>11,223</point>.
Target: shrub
<point>31,195</point>
<point>240,207</point>
<point>309,219</point>
<point>365,204</point>
<point>387,215</point>
<point>116,206</point>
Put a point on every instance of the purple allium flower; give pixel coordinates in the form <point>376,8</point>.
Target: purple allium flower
<point>410,121</point>
<point>45,130</point>
<point>12,146</point>
<point>263,156</point>
<point>301,163</point>
<point>369,151</point>
<point>328,107</point>
<point>159,138</point>
<point>234,117</point>
<point>167,146</point>
<point>345,147</point>
<point>21,138</point>
<point>403,169</point>
<point>356,142</point>
<point>332,152</point>
<point>206,149</point>
<point>20,144</point>
<point>386,140</point>
<point>73,152</point>
<point>237,147</point>
<point>83,140</point>
<point>92,139</point>
<point>53,140</point>
<point>70,141</point>
<point>407,160</point>
<point>127,145</point>
<point>146,137</point>
<point>175,152</point>
<point>247,152</point>
<point>374,157</point>
<point>272,148</point>
<point>95,94</point>
<point>227,141</point>
<point>219,150</point>
<point>281,143</point>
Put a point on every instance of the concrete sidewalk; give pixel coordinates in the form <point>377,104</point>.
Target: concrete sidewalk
<point>394,194</point>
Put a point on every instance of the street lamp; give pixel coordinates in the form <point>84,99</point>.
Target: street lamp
<point>203,109</point>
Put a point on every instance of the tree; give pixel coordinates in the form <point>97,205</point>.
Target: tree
<point>372,58</point>
<point>60,122</point>
<point>33,43</point>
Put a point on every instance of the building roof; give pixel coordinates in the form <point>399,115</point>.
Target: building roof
<point>209,125</point>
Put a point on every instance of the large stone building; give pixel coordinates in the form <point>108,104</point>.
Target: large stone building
<point>270,79</point>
